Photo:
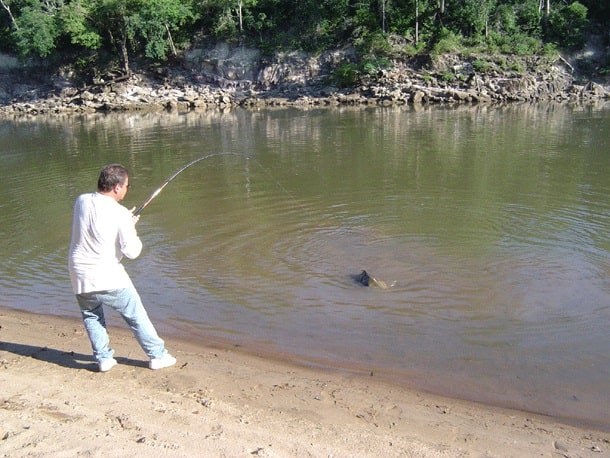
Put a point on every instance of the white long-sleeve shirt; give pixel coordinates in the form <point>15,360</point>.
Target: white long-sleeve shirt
<point>103,232</point>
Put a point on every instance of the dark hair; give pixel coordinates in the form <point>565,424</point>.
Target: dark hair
<point>110,176</point>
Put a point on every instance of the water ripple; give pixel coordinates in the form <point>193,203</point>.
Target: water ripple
<point>493,233</point>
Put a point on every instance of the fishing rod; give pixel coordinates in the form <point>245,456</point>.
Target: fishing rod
<point>176,173</point>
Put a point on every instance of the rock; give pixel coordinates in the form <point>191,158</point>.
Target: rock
<point>224,76</point>
<point>419,97</point>
<point>560,446</point>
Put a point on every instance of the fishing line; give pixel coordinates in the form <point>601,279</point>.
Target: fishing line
<point>177,172</point>
<point>280,185</point>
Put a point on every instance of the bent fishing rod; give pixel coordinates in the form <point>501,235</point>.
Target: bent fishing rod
<point>176,173</point>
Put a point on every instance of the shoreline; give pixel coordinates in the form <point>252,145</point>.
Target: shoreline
<point>304,82</point>
<point>223,401</point>
<point>411,381</point>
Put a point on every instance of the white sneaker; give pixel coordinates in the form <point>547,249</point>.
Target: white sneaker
<point>160,363</point>
<point>106,364</point>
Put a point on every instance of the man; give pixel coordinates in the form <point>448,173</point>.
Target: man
<point>103,231</point>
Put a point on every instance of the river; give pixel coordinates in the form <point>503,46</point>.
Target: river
<point>491,223</point>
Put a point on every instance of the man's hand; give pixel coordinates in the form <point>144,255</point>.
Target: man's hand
<point>134,218</point>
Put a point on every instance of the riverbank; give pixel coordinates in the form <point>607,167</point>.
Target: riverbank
<point>225,77</point>
<point>224,402</point>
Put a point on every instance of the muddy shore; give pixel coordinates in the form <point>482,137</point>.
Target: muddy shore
<point>221,401</point>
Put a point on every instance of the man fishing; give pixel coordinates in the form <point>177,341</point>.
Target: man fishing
<point>103,231</point>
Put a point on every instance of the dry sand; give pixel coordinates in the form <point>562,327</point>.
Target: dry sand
<point>220,402</point>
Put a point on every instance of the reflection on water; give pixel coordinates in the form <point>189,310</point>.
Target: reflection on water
<point>492,221</point>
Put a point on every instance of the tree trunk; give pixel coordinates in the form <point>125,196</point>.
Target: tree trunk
<point>125,56</point>
<point>171,41</point>
<point>123,47</point>
<point>8,10</point>
<point>416,22</point>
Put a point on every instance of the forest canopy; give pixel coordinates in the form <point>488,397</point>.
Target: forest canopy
<point>84,30</point>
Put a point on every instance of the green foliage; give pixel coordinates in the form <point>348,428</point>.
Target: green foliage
<point>550,50</point>
<point>225,26</point>
<point>346,75</point>
<point>156,28</point>
<point>517,67</point>
<point>447,42</point>
<point>504,20</point>
<point>365,17</point>
<point>155,21</point>
<point>472,17</point>
<point>448,76</point>
<point>349,73</point>
<point>481,65</point>
<point>526,45</point>
<point>518,43</point>
<point>567,25</point>
<point>528,20</point>
<point>75,23</point>
<point>373,64</point>
<point>37,32</point>
<point>373,43</point>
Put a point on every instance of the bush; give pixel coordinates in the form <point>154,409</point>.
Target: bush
<point>37,33</point>
<point>549,49</point>
<point>448,76</point>
<point>567,25</point>
<point>517,67</point>
<point>518,43</point>
<point>481,65</point>
<point>346,75</point>
<point>526,46</point>
<point>448,42</point>
<point>372,65</point>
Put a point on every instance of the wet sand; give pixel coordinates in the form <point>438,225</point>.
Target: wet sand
<point>220,401</point>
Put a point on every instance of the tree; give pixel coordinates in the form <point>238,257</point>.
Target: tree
<point>75,20</point>
<point>567,25</point>
<point>244,8</point>
<point>159,28</point>
<point>36,30</point>
<point>6,4</point>
<point>416,22</point>
<point>472,18</point>
<point>112,16</point>
<point>155,20</point>
<point>384,6</point>
<point>599,13</point>
<point>427,20</point>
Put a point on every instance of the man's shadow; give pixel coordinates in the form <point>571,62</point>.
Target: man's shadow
<point>68,359</point>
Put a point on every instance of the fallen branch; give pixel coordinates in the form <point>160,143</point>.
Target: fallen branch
<point>566,62</point>
<point>118,79</point>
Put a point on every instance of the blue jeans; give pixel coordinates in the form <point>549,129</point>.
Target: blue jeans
<point>128,303</point>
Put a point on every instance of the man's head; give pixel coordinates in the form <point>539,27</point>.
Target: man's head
<point>113,180</point>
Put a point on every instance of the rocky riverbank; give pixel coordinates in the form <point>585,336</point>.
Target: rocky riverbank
<point>226,77</point>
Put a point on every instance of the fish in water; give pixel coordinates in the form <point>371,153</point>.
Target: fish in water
<point>366,280</point>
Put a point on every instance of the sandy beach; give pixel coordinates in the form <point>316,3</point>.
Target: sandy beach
<point>223,402</point>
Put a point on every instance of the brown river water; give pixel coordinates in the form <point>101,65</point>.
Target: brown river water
<point>493,224</point>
